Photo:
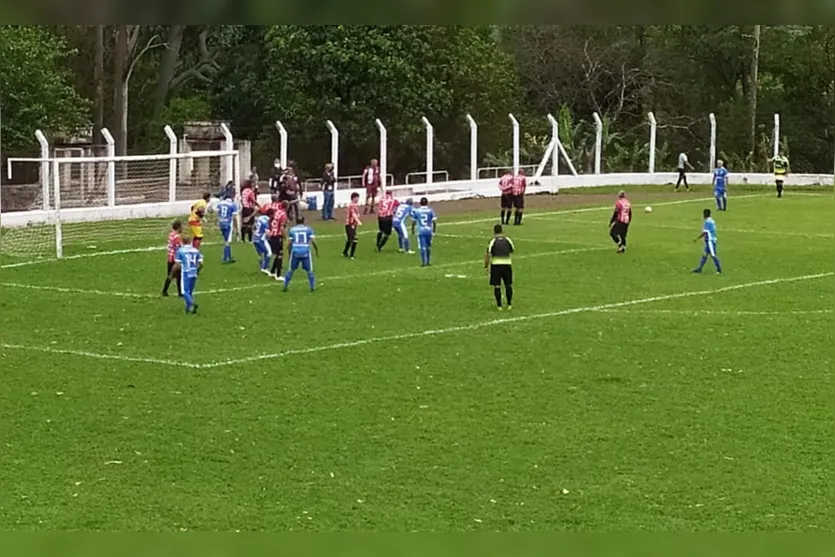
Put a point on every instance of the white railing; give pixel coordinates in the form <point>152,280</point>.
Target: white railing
<point>420,177</point>
<point>494,171</point>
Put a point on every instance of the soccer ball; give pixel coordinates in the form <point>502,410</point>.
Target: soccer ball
<point>302,205</point>
<point>648,210</point>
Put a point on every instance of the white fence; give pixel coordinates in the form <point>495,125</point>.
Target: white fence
<point>173,199</point>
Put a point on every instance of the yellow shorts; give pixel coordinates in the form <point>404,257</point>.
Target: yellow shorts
<point>196,231</point>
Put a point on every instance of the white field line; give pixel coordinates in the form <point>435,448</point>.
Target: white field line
<point>399,270</point>
<point>98,356</point>
<point>267,283</point>
<point>697,312</point>
<point>77,290</point>
<point>541,215</point>
<point>722,229</point>
<point>418,334</point>
<point>494,322</point>
<point>486,238</point>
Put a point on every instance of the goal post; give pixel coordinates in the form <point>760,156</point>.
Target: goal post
<point>116,203</point>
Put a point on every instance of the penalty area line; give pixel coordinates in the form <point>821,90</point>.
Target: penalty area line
<point>407,336</point>
<point>523,318</point>
<point>530,215</point>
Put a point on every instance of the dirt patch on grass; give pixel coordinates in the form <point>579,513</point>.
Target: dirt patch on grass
<point>547,202</point>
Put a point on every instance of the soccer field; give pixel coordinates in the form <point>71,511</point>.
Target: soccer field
<point>621,393</point>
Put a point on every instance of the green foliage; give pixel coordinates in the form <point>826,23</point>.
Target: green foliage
<point>35,89</point>
<point>356,74</point>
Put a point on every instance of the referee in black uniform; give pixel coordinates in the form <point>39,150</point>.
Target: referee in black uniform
<point>497,258</point>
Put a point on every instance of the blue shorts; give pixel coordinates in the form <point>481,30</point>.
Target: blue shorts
<point>710,248</point>
<point>425,240</point>
<point>400,228</point>
<point>188,284</point>
<point>718,193</point>
<point>226,233</point>
<point>262,247</point>
<point>302,260</point>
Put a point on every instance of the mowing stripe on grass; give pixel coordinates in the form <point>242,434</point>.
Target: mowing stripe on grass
<point>697,312</point>
<point>644,224</point>
<point>519,319</point>
<point>418,334</point>
<point>543,214</point>
<point>267,283</point>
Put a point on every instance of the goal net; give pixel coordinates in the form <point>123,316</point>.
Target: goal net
<point>114,203</point>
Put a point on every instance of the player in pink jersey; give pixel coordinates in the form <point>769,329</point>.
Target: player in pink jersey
<point>385,219</point>
<point>619,223</point>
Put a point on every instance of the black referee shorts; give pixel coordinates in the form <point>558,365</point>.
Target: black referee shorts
<point>276,244</point>
<point>507,201</point>
<point>501,274</point>
<point>246,216</point>
<point>385,225</point>
<point>620,229</point>
<point>351,232</point>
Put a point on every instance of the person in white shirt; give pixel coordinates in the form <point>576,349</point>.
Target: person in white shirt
<point>683,165</point>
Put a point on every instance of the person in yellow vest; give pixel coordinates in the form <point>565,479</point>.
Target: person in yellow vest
<point>195,219</point>
<point>781,170</point>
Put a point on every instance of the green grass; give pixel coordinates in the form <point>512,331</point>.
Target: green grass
<point>405,401</point>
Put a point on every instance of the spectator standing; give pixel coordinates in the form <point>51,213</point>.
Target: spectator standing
<point>683,165</point>
<point>328,191</point>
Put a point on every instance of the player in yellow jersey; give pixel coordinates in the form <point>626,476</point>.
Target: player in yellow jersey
<point>195,219</point>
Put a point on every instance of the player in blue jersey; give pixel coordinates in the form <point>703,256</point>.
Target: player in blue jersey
<point>301,238</point>
<point>424,218</point>
<point>709,235</point>
<point>720,185</point>
<point>226,211</point>
<point>402,214</point>
<point>189,263</point>
<point>260,241</point>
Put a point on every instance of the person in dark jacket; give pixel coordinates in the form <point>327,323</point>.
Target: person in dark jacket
<point>329,191</point>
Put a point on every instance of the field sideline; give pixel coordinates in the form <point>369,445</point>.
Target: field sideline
<point>622,392</point>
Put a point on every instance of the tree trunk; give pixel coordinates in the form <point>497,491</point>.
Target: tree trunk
<point>120,58</point>
<point>98,78</point>
<point>123,127</point>
<point>752,94</point>
<point>168,67</point>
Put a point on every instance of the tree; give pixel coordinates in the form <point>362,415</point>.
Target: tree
<point>35,86</point>
<point>355,74</point>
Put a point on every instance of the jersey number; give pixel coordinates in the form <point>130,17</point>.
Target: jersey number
<point>300,237</point>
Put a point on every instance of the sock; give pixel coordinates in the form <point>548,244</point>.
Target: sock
<point>311,280</point>
<point>508,291</point>
<point>347,247</point>
<point>379,239</point>
<point>353,248</point>
<point>189,300</point>
<point>717,264</point>
<point>399,241</point>
<point>502,219</point>
<point>227,253</point>
<point>428,255</point>
<point>724,203</point>
<point>702,262</point>
<point>520,216</point>
<point>516,217</point>
<point>179,286</point>
<point>277,264</point>
<point>497,292</point>
<point>407,244</point>
<point>166,285</point>
<point>265,262</point>
<point>287,278</point>
<point>385,239</point>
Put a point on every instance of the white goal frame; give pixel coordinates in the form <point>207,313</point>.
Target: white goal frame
<point>180,168</point>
